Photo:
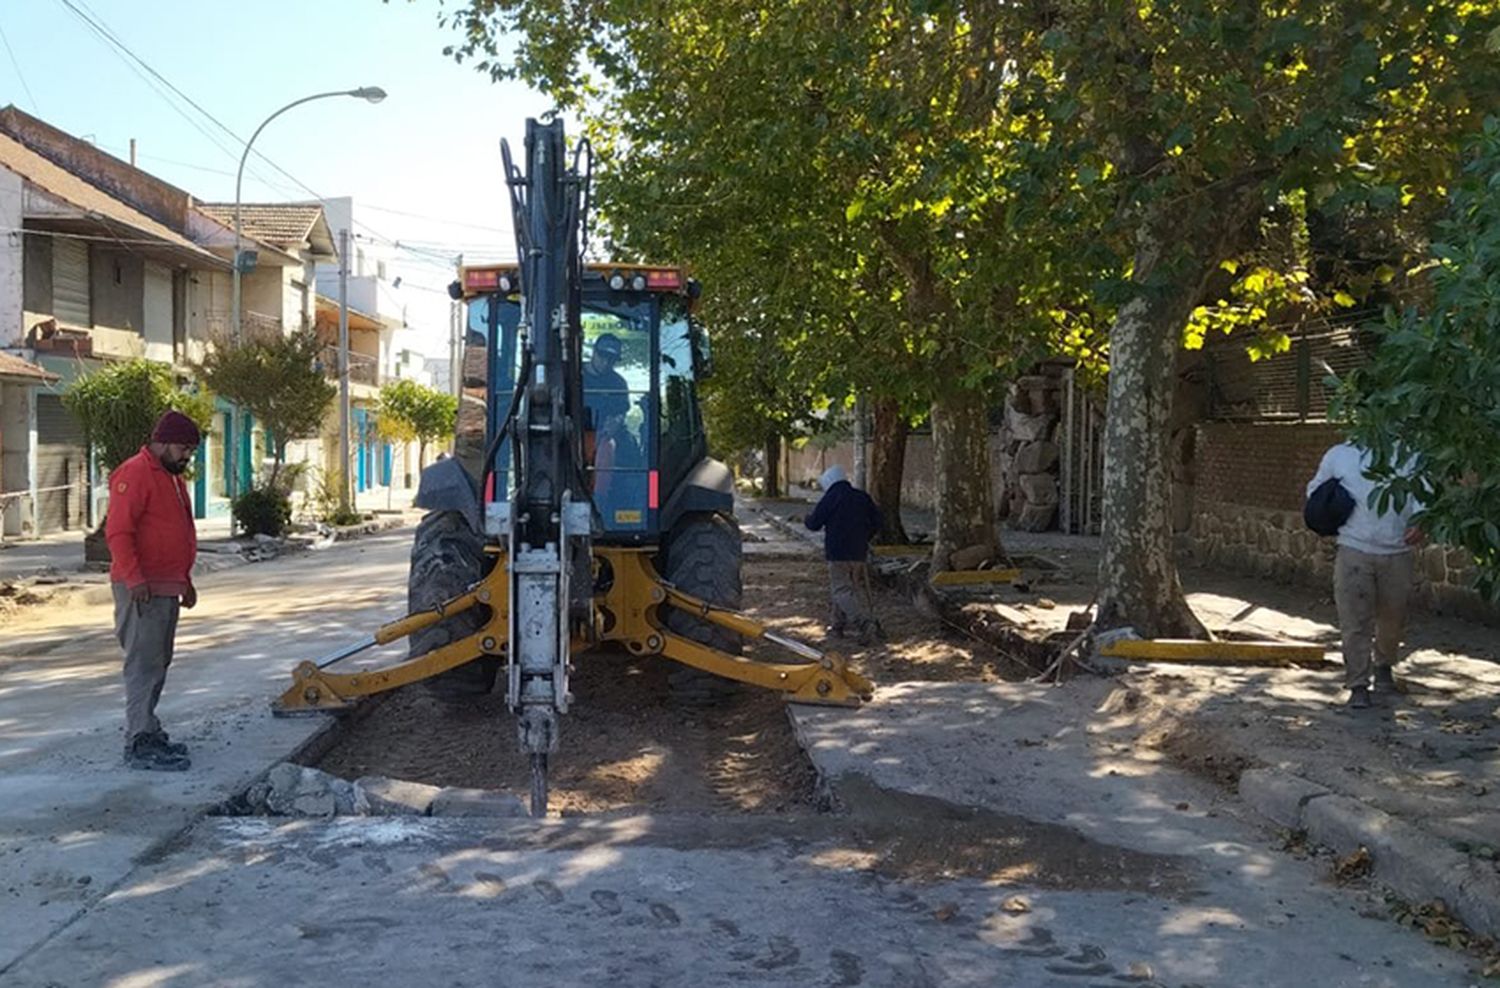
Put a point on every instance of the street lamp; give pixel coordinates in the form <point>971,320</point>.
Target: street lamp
<point>370,94</point>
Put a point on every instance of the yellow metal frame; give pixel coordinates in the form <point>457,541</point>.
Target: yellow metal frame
<point>628,612</point>
<point>1264,653</point>
<point>968,577</point>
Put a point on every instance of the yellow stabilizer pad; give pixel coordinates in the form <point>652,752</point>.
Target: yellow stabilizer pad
<point>964,577</point>
<point>1214,653</point>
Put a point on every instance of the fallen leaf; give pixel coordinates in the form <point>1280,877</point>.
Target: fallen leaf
<point>1016,905</point>
<point>1352,866</point>
<point>945,912</point>
<point>1141,970</point>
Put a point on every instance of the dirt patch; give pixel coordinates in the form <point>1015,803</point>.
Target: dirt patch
<point>626,745</point>
<point>919,838</point>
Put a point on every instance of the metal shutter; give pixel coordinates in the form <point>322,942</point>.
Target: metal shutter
<point>62,462</point>
<point>70,282</point>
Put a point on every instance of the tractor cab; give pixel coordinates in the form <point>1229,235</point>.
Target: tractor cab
<point>641,354</point>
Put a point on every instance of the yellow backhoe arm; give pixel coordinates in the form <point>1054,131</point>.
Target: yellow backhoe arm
<point>627,612</point>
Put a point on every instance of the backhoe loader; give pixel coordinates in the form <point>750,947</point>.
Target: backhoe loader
<point>581,508</point>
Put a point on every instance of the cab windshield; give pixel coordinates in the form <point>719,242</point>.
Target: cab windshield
<point>641,427</point>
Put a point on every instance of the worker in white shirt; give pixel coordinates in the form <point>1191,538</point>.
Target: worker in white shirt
<point>1372,575</point>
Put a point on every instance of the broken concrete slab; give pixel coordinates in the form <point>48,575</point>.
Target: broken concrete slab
<point>376,795</point>
<point>455,801</point>
<point>295,790</point>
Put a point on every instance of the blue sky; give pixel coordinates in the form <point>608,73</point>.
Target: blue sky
<point>423,166</point>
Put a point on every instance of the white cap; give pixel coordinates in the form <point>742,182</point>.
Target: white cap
<point>832,476</point>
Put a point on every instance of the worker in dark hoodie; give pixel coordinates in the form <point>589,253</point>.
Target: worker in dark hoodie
<point>848,519</point>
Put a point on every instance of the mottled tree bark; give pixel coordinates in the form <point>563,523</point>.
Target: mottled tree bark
<point>965,502</point>
<point>1177,247</point>
<point>772,487</point>
<point>886,467</point>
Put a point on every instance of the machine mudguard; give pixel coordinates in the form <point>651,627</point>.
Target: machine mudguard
<point>709,486</point>
<point>447,486</point>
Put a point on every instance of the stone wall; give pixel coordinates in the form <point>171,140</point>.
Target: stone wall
<point>1247,515</point>
<point>1027,494</point>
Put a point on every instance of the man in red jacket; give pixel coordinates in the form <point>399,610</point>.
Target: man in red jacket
<point>152,546</point>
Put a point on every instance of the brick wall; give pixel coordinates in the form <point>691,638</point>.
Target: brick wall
<point>1247,514</point>
<point>1259,464</point>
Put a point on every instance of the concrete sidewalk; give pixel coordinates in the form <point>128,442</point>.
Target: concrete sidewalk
<point>74,821</point>
<point>1415,781</point>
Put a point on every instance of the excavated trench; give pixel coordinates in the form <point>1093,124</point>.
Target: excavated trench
<point>735,770</point>
<point>628,746</point>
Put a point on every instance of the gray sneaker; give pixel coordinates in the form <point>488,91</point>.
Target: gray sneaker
<point>143,753</point>
<point>1385,680</point>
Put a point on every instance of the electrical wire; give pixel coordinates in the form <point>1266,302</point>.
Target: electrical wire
<point>19,74</point>
<point>96,23</point>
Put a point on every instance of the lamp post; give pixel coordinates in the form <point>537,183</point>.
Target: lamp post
<point>370,94</point>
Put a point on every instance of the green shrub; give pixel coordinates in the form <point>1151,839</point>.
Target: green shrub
<point>263,511</point>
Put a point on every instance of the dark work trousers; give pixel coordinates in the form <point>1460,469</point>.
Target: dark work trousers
<point>1371,592</point>
<point>145,632</point>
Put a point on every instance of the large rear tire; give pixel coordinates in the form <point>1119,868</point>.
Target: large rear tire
<point>702,556</point>
<point>447,557</point>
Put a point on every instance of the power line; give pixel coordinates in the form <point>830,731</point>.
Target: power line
<point>19,74</point>
<point>96,24</point>
<point>435,219</point>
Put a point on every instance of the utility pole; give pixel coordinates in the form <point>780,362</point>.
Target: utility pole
<point>345,462</point>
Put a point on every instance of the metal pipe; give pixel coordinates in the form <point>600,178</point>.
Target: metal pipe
<point>345,652</point>
<point>345,462</point>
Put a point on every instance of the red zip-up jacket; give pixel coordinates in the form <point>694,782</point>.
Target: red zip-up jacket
<point>149,527</point>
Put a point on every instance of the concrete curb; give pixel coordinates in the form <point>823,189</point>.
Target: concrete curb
<point>1411,862</point>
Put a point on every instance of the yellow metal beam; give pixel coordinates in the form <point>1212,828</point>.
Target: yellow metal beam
<point>967,577</point>
<point>1230,653</point>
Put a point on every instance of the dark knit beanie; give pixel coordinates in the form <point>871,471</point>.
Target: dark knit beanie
<point>175,427</point>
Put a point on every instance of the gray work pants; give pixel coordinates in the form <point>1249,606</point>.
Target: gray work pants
<point>145,632</point>
<point>848,609</point>
<point>1371,592</point>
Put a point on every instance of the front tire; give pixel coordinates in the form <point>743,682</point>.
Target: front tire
<point>447,557</point>
<point>703,554</point>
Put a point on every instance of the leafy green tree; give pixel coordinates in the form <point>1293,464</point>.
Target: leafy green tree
<point>1429,400</point>
<point>414,411</point>
<point>279,380</point>
<point>1173,129</point>
<point>835,174</point>
<point>119,403</point>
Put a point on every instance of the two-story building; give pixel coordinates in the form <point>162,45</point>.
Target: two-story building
<point>276,298</point>
<point>98,265</point>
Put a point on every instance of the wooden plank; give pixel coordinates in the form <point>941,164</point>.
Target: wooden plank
<point>1260,653</point>
<point>967,577</point>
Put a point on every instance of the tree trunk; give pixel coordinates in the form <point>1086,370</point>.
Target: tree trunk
<point>887,464</point>
<point>965,502</point>
<point>772,485</point>
<point>1177,247</point>
<point>421,455</point>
